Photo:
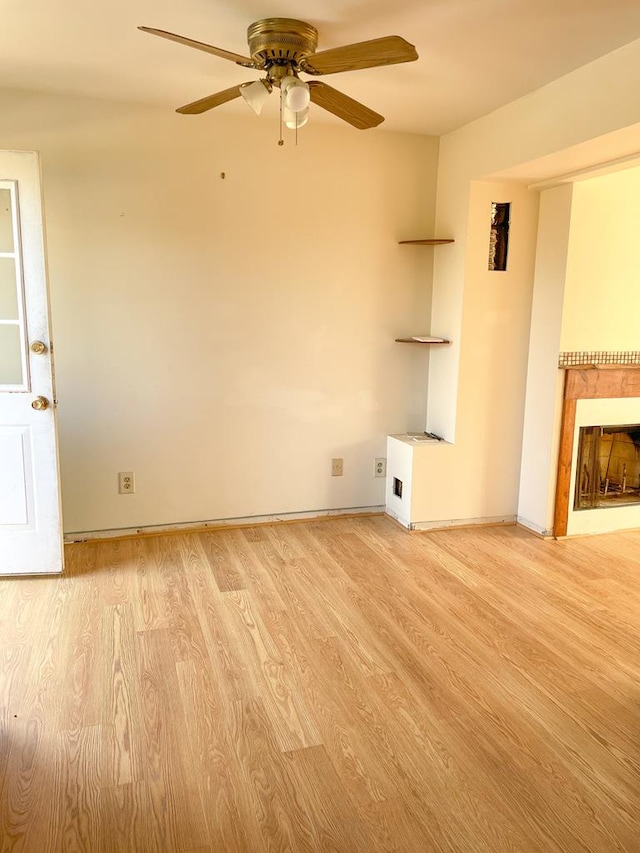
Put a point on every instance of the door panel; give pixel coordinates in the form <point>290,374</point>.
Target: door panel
<point>30,518</point>
<point>16,495</point>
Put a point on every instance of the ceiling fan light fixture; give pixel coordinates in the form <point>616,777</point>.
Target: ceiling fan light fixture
<point>282,47</point>
<point>296,94</point>
<point>295,120</point>
<point>256,93</point>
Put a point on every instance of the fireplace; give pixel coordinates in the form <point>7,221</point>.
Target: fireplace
<point>608,467</point>
<point>598,466</point>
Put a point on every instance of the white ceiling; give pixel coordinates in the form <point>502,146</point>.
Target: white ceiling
<point>475,55</point>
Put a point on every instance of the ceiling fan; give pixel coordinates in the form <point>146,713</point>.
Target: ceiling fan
<point>284,47</point>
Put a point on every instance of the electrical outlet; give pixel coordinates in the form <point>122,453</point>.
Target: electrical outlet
<point>126,482</point>
<point>380,467</point>
<point>337,467</point>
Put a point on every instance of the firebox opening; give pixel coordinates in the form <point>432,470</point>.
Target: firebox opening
<point>608,472</point>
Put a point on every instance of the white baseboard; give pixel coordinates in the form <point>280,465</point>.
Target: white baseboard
<point>447,524</point>
<point>216,523</point>
<point>534,528</point>
<point>394,515</point>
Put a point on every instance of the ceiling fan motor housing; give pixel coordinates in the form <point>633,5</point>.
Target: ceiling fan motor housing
<point>281,41</point>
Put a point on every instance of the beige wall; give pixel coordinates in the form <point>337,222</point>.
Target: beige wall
<point>545,383</point>
<point>585,298</point>
<point>478,476</point>
<point>602,293</point>
<point>225,338</point>
<point>588,103</point>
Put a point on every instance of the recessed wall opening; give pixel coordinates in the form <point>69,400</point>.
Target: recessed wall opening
<point>499,235</point>
<point>608,471</point>
<point>397,487</point>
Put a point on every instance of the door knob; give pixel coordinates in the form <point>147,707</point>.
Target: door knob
<point>38,347</point>
<point>40,404</point>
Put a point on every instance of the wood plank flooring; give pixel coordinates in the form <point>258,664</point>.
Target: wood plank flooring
<point>331,686</point>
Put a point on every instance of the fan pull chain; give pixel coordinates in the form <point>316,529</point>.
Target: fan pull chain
<point>281,140</point>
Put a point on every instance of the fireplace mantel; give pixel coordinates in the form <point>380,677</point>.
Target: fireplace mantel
<point>586,382</point>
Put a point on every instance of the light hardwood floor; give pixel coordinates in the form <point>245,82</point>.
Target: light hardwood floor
<point>331,686</point>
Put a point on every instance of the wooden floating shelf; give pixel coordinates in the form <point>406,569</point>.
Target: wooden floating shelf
<point>433,241</point>
<point>423,339</point>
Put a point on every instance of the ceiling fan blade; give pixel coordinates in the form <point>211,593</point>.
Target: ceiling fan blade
<point>365,54</point>
<point>343,106</point>
<point>199,45</point>
<point>210,101</point>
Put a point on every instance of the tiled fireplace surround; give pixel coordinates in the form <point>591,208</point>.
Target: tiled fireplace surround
<point>612,390</point>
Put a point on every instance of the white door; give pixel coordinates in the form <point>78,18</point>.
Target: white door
<point>30,520</point>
